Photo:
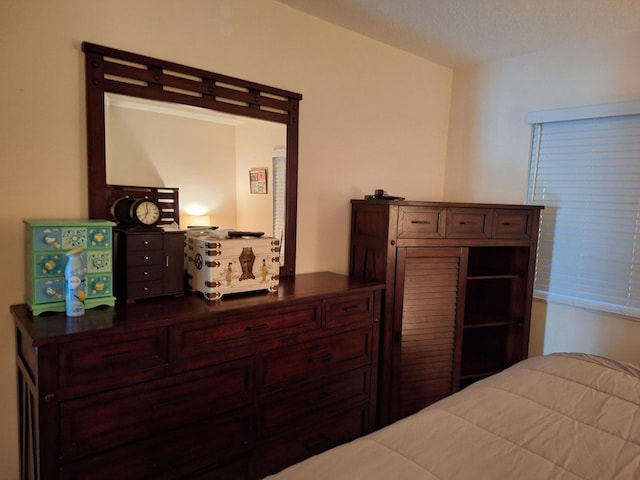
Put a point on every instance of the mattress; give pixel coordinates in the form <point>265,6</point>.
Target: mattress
<point>558,416</point>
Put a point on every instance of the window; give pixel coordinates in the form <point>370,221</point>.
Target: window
<point>585,170</point>
<point>279,159</point>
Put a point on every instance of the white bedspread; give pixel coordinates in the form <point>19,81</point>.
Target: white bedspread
<point>560,416</point>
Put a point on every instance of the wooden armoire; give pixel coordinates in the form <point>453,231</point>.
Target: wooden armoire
<point>459,282</point>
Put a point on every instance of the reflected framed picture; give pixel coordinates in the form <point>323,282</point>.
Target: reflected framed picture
<point>258,180</point>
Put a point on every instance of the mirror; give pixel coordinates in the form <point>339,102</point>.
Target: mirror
<point>207,155</point>
<point>115,75</point>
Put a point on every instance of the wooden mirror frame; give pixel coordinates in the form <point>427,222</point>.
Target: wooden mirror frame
<point>117,71</point>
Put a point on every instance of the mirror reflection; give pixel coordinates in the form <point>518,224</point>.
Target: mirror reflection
<point>207,154</point>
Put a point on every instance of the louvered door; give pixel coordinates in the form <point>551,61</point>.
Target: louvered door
<point>428,294</point>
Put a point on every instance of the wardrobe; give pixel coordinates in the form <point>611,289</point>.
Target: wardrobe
<point>457,304</point>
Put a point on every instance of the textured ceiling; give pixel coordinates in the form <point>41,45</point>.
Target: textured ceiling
<point>459,32</point>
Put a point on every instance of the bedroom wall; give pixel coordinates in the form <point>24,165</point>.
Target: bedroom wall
<point>488,157</point>
<point>369,112</point>
<point>160,150</point>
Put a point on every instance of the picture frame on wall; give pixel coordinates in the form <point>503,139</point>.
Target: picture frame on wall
<point>258,180</point>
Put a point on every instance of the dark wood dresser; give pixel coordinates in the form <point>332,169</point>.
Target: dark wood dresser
<point>183,388</point>
<point>459,285</point>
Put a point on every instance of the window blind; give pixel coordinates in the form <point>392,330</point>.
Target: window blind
<point>586,172</point>
<point>279,161</point>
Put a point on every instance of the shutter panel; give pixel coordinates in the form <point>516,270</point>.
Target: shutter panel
<point>428,329</point>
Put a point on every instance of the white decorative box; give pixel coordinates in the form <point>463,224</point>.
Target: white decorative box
<point>217,267</point>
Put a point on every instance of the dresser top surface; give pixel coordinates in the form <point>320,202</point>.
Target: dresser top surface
<point>57,328</point>
<point>68,223</point>
<point>419,203</point>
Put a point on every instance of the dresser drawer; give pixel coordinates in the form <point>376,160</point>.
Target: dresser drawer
<point>330,430</point>
<point>512,223</point>
<point>175,454</point>
<point>321,357</point>
<point>421,222</point>
<point>468,223</point>
<point>114,359</point>
<point>196,341</point>
<point>144,242</point>
<point>347,310</point>
<point>109,419</point>
<point>237,468</point>
<point>300,405</point>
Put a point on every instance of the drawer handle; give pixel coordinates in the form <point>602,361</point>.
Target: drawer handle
<point>116,356</point>
<point>146,242</point>
<point>421,222</point>
<point>257,327</point>
<point>323,358</point>
<point>350,308</point>
<point>168,403</point>
<point>506,224</point>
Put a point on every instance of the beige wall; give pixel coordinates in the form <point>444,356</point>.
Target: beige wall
<point>371,117</point>
<point>196,156</point>
<point>488,157</point>
<point>256,143</point>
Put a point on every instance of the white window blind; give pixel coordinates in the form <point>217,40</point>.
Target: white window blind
<point>586,172</point>
<point>279,160</point>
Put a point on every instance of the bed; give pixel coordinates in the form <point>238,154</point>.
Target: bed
<point>558,416</point>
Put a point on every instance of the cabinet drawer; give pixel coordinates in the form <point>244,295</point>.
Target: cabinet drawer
<point>114,360</point>
<point>328,432</point>
<point>420,222</point>
<point>200,340</point>
<point>144,274</point>
<point>468,223</point>
<point>175,454</point>
<point>142,258</point>
<point>144,242</point>
<point>341,311</point>
<point>512,223</point>
<point>300,406</point>
<point>108,419</point>
<point>312,359</point>
<point>145,289</point>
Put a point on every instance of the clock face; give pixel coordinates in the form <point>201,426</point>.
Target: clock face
<point>146,212</point>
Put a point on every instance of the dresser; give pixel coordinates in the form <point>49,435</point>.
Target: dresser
<point>458,289</point>
<point>178,387</point>
<point>149,263</point>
